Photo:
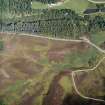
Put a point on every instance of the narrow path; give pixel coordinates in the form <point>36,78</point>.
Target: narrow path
<point>97,2</point>
<point>83,39</point>
<point>5,74</point>
<point>92,44</point>
<point>87,70</point>
<point>40,36</point>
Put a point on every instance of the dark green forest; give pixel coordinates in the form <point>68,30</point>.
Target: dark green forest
<point>47,1</point>
<point>63,23</point>
<point>66,23</point>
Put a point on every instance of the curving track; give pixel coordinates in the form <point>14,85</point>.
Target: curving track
<point>97,1</point>
<point>83,39</point>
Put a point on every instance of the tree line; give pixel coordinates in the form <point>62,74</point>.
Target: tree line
<point>67,23</point>
<point>63,23</point>
<point>47,1</point>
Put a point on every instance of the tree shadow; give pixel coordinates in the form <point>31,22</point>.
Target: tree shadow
<point>76,100</point>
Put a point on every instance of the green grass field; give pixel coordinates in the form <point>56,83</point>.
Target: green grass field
<point>65,82</point>
<point>78,5</point>
<point>98,38</point>
<point>39,5</point>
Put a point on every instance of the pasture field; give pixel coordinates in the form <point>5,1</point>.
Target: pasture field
<point>98,39</point>
<point>39,5</point>
<point>78,5</point>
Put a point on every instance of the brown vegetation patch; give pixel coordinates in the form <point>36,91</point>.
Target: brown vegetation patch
<point>55,93</point>
<point>32,41</point>
<point>58,51</point>
<point>28,100</point>
<point>26,66</point>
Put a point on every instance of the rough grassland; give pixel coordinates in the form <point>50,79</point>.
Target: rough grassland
<point>28,66</point>
<point>93,81</point>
